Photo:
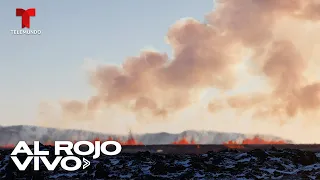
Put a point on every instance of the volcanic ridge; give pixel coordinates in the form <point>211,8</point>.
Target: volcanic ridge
<point>10,135</point>
<point>188,155</point>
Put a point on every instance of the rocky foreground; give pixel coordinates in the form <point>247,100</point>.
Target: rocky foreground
<point>227,164</point>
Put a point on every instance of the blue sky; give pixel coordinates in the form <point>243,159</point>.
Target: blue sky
<point>48,67</point>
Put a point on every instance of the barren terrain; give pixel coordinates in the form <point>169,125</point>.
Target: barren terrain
<point>175,162</point>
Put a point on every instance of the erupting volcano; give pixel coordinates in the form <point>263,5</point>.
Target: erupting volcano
<point>255,140</point>
<point>49,136</point>
<point>130,141</point>
<point>181,141</point>
<point>184,141</point>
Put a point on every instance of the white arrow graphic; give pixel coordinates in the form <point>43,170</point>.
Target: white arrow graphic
<point>86,163</point>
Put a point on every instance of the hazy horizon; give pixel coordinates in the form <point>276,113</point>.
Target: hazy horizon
<point>245,67</point>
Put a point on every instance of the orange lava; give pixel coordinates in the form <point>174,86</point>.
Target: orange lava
<point>183,141</point>
<point>233,145</point>
<point>130,142</point>
<point>8,146</point>
<point>255,140</point>
<point>49,143</point>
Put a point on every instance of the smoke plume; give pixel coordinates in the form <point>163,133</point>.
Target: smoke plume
<point>261,26</point>
<point>278,37</point>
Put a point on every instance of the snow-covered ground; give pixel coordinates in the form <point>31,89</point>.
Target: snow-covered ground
<point>227,164</point>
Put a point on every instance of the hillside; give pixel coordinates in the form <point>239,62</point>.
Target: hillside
<point>13,134</point>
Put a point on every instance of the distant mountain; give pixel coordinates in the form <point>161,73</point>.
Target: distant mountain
<point>13,134</point>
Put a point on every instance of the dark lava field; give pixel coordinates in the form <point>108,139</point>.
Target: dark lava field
<point>254,163</point>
